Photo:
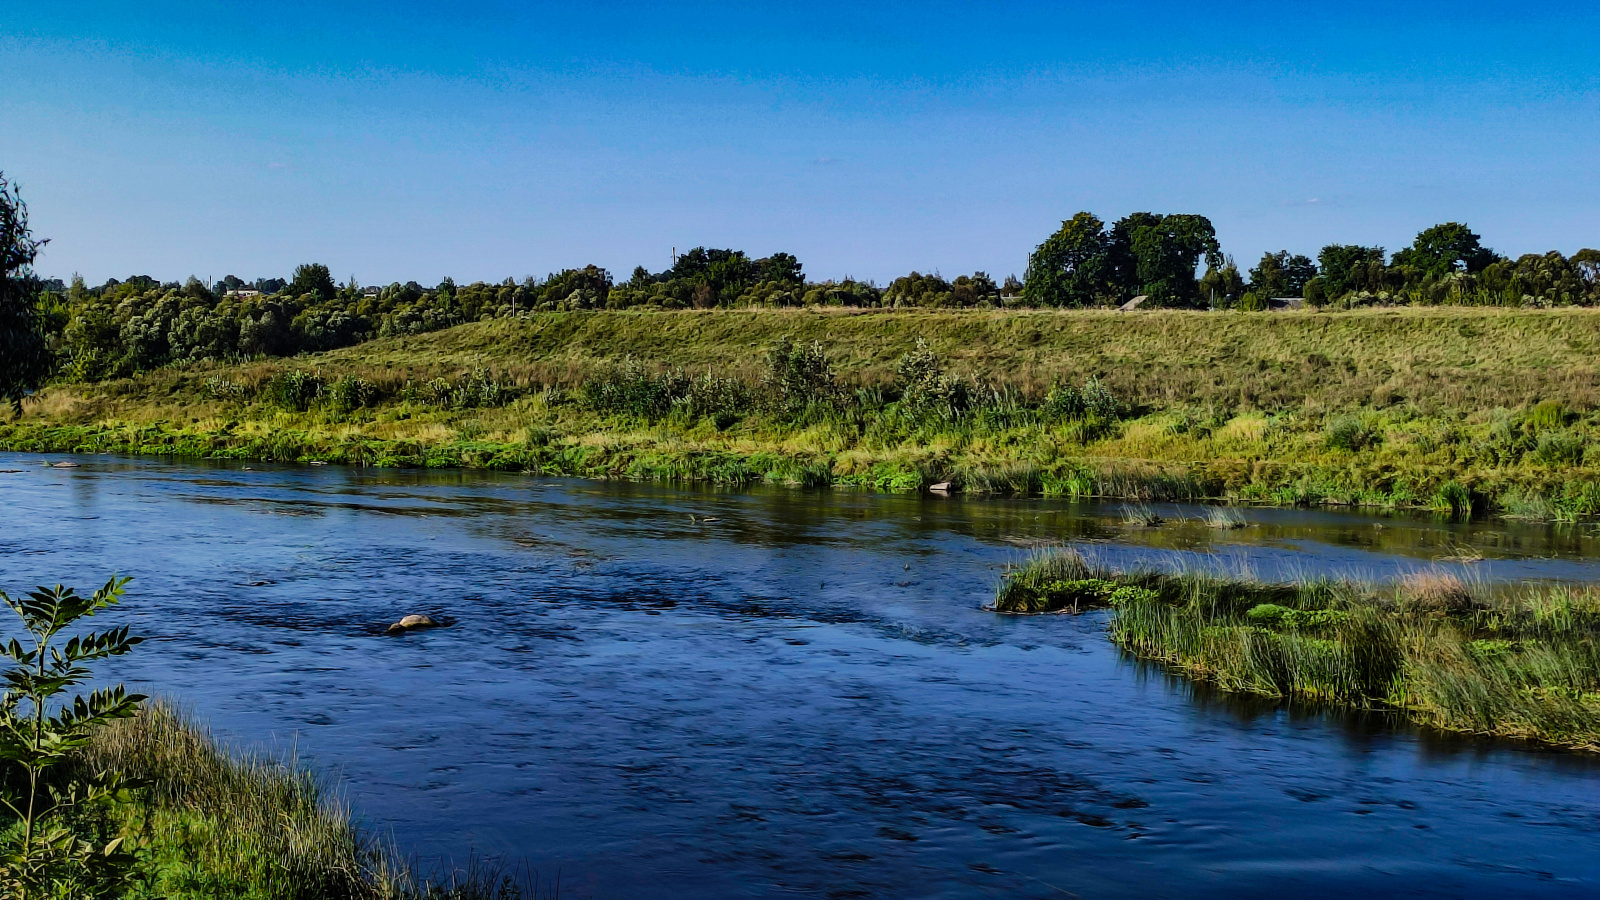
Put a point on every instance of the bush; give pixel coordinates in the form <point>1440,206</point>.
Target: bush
<point>631,389</point>
<point>926,391</point>
<point>799,375</point>
<point>1271,615</point>
<point>1094,401</point>
<point>349,392</point>
<point>223,389</point>
<point>1559,448</point>
<point>1547,415</point>
<point>60,844</point>
<point>1350,433</point>
<point>479,388</point>
<point>293,390</point>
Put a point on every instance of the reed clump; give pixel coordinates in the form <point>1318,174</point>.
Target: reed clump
<point>1442,652</point>
<point>1059,581</point>
<point>1225,518</point>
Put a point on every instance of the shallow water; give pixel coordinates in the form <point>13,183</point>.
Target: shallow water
<point>666,692</point>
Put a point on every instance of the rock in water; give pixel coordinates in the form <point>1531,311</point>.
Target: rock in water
<point>411,623</point>
<point>943,487</point>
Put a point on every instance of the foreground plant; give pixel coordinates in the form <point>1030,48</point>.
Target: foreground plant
<point>61,844</point>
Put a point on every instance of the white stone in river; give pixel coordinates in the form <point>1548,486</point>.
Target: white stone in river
<point>411,622</point>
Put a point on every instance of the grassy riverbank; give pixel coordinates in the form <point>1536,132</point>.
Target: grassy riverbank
<point>215,825</point>
<point>1444,408</point>
<point>1446,654</point>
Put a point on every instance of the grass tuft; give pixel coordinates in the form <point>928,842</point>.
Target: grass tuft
<point>240,825</point>
<point>1225,518</point>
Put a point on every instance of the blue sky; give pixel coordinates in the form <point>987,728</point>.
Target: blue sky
<point>399,141</point>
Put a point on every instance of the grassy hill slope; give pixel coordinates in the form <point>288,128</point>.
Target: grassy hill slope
<point>1443,407</point>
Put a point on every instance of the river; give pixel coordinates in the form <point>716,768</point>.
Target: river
<point>664,691</point>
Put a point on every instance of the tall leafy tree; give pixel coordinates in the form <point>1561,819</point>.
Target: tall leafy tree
<point>1282,274</point>
<point>313,278</point>
<point>24,353</point>
<point>1222,285</point>
<point>1587,262</point>
<point>1442,249</point>
<point>1072,267</point>
<point>1157,255</point>
<point>1350,267</point>
<point>780,267</point>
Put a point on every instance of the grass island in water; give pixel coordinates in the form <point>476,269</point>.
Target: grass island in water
<point>1520,663</point>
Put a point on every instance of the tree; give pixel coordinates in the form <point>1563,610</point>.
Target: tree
<point>780,267</point>
<point>1072,267</point>
<point>918,289</point>
<point>1222,285</point>
<point>1157,255</point>
<point>44,856</point>
<point>971,290</point>
<point>1281,275</point>
<point>1587,262</point>
<point>313,278</point>
<point>1350,267</point>
<point>24,352</point>
<point>195,289</point>
<point>1442,249</point>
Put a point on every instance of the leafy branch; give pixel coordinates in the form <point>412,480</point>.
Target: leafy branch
<point>39,739</point>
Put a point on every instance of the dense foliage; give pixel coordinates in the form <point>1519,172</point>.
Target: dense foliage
<point>124,327</point>
<point>60,842</point>
<point>24,356</point>
<point>1086,264</point>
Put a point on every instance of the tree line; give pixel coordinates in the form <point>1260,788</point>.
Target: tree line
<point>1087,264</point>
<point>126,326</point>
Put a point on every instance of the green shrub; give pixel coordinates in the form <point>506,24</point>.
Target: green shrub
<point>349,392</point>
<point>799,375</point>
<point>1559,448</point>
<point>1546,415</point>
<point>1271,615</point>
<point>1349,433</point>
<point>223,389</point>
<point>293,390</point>
<point>60,845</point>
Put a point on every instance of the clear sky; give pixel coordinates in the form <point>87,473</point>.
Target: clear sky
<point>399,141</point>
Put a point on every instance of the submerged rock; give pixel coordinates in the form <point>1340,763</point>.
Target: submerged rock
<point>411,623</point>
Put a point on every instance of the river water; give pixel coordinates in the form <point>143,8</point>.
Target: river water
<point>669,692</point>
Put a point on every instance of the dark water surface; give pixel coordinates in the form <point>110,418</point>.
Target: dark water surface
<point>801,696</point>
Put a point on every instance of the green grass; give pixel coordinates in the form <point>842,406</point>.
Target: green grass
<point>220,825</point>
<point>1458,410</point>
<point>1523,663</point>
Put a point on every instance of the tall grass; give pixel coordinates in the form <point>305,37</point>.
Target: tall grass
<point>1442,652</point>
<point>1225,518</point>
<point>223,824</point>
